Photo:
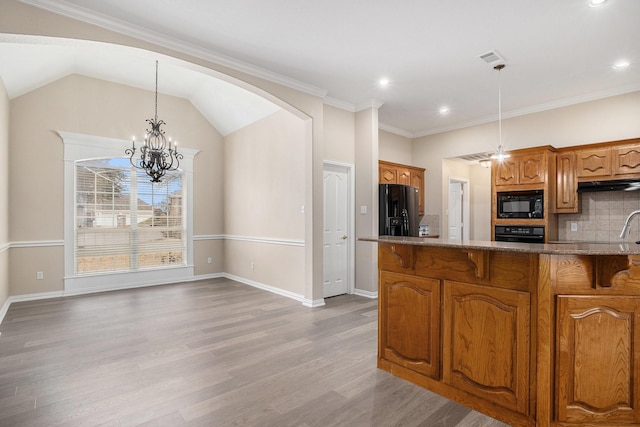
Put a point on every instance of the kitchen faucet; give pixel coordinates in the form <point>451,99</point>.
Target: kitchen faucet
<point>627,225</point>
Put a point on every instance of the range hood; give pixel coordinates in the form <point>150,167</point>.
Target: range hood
<point>617,185</point>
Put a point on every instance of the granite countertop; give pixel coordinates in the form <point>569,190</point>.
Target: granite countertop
<point>557,248</point>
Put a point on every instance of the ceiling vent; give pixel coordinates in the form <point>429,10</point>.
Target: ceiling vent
<point>492,58</point>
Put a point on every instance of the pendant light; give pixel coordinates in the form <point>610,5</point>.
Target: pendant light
<point>157,156</point>
<point>500,154</point>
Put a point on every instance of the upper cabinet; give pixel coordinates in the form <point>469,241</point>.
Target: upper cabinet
<point>395,173</point>
<point>524,167</point>
<point>626,160</point>
<point>566,183</point>
<point>595,162</point>
<point>614,160</point>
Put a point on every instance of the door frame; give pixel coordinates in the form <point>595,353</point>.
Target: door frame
<point>466,206</point>
<point>330,165</point>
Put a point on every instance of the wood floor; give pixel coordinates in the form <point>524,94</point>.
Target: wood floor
<point>208,353</point>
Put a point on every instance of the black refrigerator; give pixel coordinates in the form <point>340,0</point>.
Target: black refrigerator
<point>398,210</point>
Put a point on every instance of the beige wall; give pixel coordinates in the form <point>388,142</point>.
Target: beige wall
<point>366,145</point>
<point>264,202</point>
<point>4,196</point>
<point>480,200</point>
<point>605,119</point>
<point>394,148</point>
<point>19,18</point>
<point>339,133</point>
<point>84,105</point>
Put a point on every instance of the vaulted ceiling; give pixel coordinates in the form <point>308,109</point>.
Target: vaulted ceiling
<point>556,53</point>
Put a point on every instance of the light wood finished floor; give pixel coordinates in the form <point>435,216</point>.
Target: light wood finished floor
<point>207,353</point>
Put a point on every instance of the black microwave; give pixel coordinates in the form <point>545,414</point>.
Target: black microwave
<point>521,204</point>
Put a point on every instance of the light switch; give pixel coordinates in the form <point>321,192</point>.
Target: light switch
<point>363,210</point>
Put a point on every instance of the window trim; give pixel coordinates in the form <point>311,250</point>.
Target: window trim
<point>81,147</point>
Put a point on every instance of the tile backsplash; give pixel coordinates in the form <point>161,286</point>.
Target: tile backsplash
<point>601,217</point>
<point>433,221</point>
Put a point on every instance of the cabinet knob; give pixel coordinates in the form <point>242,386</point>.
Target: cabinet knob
<point>344,237</point>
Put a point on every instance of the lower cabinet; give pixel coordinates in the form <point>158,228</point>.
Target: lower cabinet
<point>598,377</point>
<point>409,322</point>
<point>486,343</point>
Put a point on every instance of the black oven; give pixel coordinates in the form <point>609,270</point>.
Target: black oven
<point>519,233</point>
<point>520,204</point>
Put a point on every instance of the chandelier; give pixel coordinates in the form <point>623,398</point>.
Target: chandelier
<point>500,154</point>
<point>156,155</point>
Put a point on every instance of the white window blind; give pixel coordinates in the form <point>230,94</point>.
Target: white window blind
<point>123,222</point>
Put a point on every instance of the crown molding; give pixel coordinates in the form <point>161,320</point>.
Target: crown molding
<point>63,8</point>
<point>567,102</point>
<point>374,103</point>
<point>338,103</point>
<point>395,130</point>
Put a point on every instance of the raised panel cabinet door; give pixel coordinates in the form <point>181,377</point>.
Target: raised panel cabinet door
<point>417,180</point>
<point>598,350</point>
<point>486,341</point>
<point>566,187</point>
<point>404,176</point>
<point>595,162</point>
<point>387,175</point>
<point>506,171</point>
<point>626,160</point>
<point>409,323</point>
<point>532,168</point>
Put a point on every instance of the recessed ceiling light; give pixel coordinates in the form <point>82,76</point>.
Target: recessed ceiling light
<point>596,3</point>
<point>620,65</point>
<point>444,110</point>
<point>384,82</point>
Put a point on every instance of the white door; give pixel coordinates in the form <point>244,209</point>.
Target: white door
<point>455,210</point>
<point>337,237</point>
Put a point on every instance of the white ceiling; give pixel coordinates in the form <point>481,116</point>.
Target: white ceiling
<point>558,52</point>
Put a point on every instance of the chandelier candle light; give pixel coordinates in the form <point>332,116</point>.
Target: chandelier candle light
<point>156,156</point>
<point>500,154</point>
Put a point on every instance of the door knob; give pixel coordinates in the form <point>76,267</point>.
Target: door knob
<point>344,237</point>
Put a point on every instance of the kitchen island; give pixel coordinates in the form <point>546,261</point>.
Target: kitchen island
<point>530,334</point>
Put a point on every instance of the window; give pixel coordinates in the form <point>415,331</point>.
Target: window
<point>123,221</point>
<point>119,230</point>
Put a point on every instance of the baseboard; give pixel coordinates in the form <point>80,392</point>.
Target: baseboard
<point>85,291</point>
<point>271,289</point>
<point>366,294</point>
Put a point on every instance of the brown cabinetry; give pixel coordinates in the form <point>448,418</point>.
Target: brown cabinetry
<point>521,169</point>
<point>598,357</point>
<point>566,183</point>
<point>395,173</point>
<point>486,343</point>
<point>409,323</point>
<point>594,162</point>
<point>626,160</point>
<point>615,160</point>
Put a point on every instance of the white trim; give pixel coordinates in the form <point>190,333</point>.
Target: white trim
<point>366,294</point>
<point>209,237</point>
<point>351,175</point>
<point>5,247</point>
<point>278,291</point>
<point>270,241</point>
<point>88,16</point>
<point>395,130</point>
<point>36,243</point>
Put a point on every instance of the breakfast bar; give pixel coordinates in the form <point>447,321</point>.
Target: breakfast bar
<point>529,334</point>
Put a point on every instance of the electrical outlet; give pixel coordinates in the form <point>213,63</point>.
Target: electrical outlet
<point>209,260</point>
<point>39,275</point>
<point>302,209</point>
<point>363,210</point>
<point>574,226</point>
